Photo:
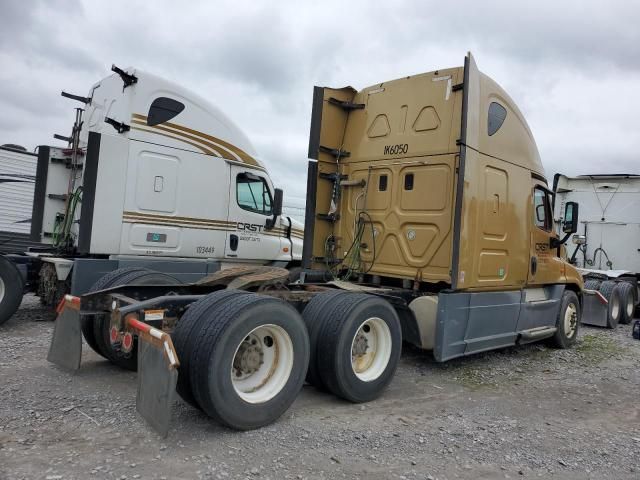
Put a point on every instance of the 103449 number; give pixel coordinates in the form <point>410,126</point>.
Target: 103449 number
<point>205,249</point>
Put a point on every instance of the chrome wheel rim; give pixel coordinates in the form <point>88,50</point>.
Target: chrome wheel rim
<point>2,290</point>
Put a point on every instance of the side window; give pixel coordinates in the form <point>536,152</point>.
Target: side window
<point>162,110</point>
<point>542,209</point>
<point>253,193</point>
<point>497,115</point>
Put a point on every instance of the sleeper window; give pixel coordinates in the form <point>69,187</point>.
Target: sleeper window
<point>497,115</point>
<point>253,193</point>
<point>162,110</point>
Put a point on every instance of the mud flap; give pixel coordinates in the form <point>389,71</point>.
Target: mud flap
<point>156,386</point>
<point>66,344</point>
<point>595,308</point>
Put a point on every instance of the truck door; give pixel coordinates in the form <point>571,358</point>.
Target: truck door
<point>250,202</point>
<point>544,265</point>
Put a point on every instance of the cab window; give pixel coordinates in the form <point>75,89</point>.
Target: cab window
<point>253,193</point>
<point>542,209</point>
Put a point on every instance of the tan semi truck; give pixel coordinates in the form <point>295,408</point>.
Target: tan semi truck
<point>429,220</point>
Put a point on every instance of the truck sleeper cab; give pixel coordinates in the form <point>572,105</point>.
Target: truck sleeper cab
<point>436,183</point>
<point>428,219</point>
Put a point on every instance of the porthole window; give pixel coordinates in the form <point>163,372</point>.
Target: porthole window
<point>497,114</point>
<point>408,181</point>
<point>382,183</point>
<point>162,110</point>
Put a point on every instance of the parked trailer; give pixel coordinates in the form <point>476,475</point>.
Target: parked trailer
<point>607,245</point>
<point>17,180</point>
<point>155,180</point>
<point>428,219</point>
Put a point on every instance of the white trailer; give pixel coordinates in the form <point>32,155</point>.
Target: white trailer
<point>153,177</point>
<point>17,180</point>
<point>607,246</point>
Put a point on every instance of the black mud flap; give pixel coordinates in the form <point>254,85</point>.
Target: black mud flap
<point>156,386</point>
<point>595,308</point>
<point>66,344</point>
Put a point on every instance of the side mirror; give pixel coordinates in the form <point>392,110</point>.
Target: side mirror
<point>570,221</point>
<point>277,202</point>
<point>277,209</point>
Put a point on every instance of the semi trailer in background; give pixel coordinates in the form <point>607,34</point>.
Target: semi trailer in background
<point>17,182</point>
<point>606,248</point>
<point>428,220</point>
<point>154,182</point>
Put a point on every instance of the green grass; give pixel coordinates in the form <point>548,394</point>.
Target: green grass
<point>595,349</point>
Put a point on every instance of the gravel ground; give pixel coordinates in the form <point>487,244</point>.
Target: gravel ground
<point>516,413</point>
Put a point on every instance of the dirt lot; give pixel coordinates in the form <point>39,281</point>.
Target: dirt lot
<point>516,413</point>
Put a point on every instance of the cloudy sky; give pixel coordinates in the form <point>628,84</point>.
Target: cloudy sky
<point>573,67</point>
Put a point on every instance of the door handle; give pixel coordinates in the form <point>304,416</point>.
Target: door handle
<point>233,242</point>
<point>534,265</point>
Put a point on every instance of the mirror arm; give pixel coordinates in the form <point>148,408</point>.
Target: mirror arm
<point>271,222</point>
<point>277,210</point>
<point>555,243</point>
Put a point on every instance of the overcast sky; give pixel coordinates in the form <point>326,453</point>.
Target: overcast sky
<point>573,67</point>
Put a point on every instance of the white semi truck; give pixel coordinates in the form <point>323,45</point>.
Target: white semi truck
<point>154,180</point>
<point>607,245</point>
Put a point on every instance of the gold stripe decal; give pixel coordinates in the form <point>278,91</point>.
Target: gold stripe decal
<point>195,223</point>
<point>223,149</point>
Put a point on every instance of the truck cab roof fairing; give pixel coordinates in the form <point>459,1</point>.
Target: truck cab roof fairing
<point>199,126</point>
<point>512,141</point>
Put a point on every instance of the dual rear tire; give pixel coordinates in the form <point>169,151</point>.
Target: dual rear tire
<point>356,342</point>
<point>95,329</point>
<point>243,357</point>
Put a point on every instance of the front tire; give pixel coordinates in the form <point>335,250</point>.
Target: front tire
<point>568,321</point>
<point>11,289</point>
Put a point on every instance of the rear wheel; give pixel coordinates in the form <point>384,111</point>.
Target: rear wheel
<point>592,284</point>
<point>108,280</point>
<point>11,289</point>
<point>101,323</point>
<point>609,290</point>
<point>628,301</point>
<point>184,337</point>
<point>359,346</point>
<point>568,321</point>
<point>248,360</point>
<point>314,315</point>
